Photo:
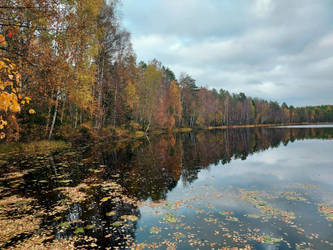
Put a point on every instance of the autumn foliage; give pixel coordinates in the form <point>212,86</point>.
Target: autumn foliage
<point>11,98</point>
<point>76,62</point>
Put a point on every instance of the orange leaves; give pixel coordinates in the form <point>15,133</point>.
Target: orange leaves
<point>2,123</point>
<point>10,97</point>
<point>2,41</point>
<point>9,102</point>
<point>32,111</point>
<point>2,126</point>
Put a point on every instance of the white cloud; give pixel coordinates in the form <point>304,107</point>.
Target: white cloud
<point>280,50</point>
<point>263,8</point>
<point>327,41</point>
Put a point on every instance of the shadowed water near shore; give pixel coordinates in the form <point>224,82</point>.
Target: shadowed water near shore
<point>249,188</point>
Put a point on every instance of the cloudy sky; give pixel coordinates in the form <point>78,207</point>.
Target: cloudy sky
<point>280,50</point>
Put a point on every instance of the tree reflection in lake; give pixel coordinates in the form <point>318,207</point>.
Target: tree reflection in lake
<point>154,167</point>
<point>90,196</point>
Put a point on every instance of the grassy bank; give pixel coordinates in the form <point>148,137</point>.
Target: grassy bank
<point>34,147</point>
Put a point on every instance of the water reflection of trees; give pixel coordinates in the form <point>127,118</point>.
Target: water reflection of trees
<point>147,169</point>
<point>152,169</point>
<point>59,216</point>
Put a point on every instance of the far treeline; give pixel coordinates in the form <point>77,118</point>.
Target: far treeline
<point>68,66</point>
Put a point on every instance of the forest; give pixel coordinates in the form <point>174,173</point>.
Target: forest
<point>67,67</point>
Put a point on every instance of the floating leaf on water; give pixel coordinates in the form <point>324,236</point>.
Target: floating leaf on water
<point>105,199</point>
<point>43,181</point>
<point>326,211</point>
<point>155,230</point>
<point>64,224</point>
<point>112,213</point>
<point>262,204</point>
<point>89,227</point>
<point>270,240</point>
<point>115,176</point>
<point>225,213</point>
<point>170,218</point>
<point>210,220</point>
<point>129,217</point>
<point>230,218</point>
<point>117,223</point>
<point>168,205</point>
<point>178,235</point>
<point>79,230</point>
<point>254,216</point>
<point>65,181</point>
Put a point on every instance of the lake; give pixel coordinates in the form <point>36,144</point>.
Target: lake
<point>258,188</point>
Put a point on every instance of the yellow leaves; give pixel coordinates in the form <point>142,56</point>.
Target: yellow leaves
<point>15,106</point>
<point>10,96</point>
<point>9,102</point>
<point>32,111</point>
<point>4,101</point>
<point>3,42</point>
<point>2,65</point>
<point>27,99</point>
<point>2,38</point>
<point>2,123</point>
<point>2,126</point>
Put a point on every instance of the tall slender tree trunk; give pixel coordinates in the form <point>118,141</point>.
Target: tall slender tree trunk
<point>115,104</point>
<point>76,117</point>
<point>49,115</point>
<point>63,110</point>
<point>55,113</point>
<point>99,118</point>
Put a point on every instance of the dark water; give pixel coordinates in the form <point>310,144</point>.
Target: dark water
<point>265,188</point>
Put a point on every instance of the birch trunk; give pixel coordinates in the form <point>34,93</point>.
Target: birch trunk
<point>55,113</point>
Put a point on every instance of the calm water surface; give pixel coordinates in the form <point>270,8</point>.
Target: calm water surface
<point>265,188</point>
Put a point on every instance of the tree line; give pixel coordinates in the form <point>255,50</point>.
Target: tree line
<point>69,64</point>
